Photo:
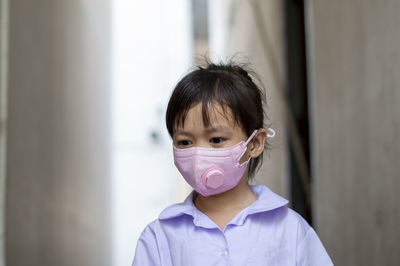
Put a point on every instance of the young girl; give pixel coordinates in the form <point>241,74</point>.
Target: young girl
<point>216,120</point>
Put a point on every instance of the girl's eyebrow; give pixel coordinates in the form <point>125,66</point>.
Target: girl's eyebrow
<point>217,128</point>
<point>182,132</point>
<point>212,129</point>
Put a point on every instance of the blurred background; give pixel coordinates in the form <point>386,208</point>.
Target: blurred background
<point>85,158</point>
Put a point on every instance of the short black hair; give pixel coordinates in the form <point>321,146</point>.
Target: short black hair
<point>228,84</point>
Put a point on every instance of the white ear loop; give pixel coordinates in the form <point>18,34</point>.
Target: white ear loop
<point>271,133</point>
<point>251,137</point>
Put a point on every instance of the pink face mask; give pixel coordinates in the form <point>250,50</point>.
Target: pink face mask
<point>212,171</point>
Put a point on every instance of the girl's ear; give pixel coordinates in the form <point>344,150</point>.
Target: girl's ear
<point>256,146</point>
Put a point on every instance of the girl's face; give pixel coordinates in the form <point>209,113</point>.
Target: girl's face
<point>222,132</point>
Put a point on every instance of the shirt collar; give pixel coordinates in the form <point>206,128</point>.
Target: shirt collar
<point>267,201</point>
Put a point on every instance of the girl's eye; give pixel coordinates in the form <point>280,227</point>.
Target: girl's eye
<point>217,140</point>
<point>184,142</point>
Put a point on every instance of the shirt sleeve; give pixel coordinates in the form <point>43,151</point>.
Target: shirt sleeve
<point>147,253</point>
<point>311,252</point>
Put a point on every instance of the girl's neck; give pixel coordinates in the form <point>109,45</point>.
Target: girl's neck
<point>237,198</point>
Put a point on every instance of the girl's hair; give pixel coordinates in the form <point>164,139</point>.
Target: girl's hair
<point>228,84</point>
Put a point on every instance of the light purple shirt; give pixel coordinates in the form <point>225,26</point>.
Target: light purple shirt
<point>265,233</point>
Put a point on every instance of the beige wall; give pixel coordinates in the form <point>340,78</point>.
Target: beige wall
<point>355,61</point>
<point>3,117</point>
<point>354,105</point>
<point>264,48</point>
<point>57,187</point>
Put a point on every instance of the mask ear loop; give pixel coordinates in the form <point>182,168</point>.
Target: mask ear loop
<point>251,137</point>
<point>271,133</point>
<point>245,145</point>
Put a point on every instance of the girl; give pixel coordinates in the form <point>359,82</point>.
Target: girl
<point>216,120</point>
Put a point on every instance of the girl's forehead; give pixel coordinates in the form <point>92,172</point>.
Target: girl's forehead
<point>218,116</point>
